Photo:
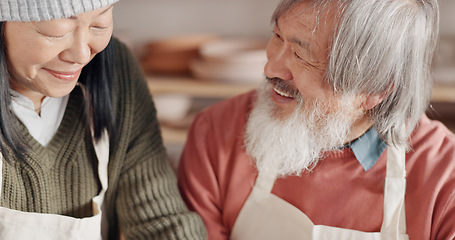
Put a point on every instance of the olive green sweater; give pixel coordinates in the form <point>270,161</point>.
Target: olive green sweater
<point>142,199</point>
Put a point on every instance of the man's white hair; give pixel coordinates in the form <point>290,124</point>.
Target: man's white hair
<point>382,47</point>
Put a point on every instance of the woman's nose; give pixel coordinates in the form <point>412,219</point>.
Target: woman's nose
<point>79,50</point>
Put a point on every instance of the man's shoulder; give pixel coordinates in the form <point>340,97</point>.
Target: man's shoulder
<point>430,165</point>
<point>123,56</point>
<point>432,148</point>
<point>432,134</point>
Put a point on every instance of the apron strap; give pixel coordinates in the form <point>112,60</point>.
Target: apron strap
<point>1,175</point>
<point>102,153</point>
<point>394,220</point>
<point>396,162</point>
<point>265,182</point>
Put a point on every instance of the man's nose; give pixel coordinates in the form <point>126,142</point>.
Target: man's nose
<point>277,65</point>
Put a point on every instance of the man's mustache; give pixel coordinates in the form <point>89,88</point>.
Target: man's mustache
<point>285,86</point>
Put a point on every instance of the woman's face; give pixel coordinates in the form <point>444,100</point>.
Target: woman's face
<point>46,58</point>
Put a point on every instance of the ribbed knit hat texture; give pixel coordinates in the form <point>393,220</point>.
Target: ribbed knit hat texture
<point>42,10</point>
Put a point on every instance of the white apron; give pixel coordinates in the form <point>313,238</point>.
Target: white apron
<point>266,216</point>
<point>27,225</point>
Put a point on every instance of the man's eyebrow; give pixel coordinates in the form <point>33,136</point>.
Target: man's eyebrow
<point>303,44</point>
<point>103,12</point>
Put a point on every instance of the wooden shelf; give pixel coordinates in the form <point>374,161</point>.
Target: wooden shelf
<point>443,93</point>
<point>195,88</point>
<point>173,135</point>
<point>210,89</point>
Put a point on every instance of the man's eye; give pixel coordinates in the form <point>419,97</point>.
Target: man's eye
<point>297,56</point>
<point>278,36</point>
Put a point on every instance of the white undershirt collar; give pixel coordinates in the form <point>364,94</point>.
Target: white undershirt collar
<point>44,127</point>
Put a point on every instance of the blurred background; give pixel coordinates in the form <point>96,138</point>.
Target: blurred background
<point>198,52</point>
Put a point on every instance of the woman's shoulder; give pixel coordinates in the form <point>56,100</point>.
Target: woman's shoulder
<point>126,66</point>
<point>129,82</point>
<point>123,54</point>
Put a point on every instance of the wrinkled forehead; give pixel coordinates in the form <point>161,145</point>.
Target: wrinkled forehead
<point>317,14</point>
<point>43,10</point>
<point>317,7</point>
<point>311,17</point>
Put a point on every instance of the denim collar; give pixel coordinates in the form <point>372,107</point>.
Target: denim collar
<point>368,148</point>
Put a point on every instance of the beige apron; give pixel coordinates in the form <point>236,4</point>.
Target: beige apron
<point>266,216</point>
<point>27,225</point>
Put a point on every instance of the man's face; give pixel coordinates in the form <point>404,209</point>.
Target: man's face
<point>297,116</point>
<point>297,58</point>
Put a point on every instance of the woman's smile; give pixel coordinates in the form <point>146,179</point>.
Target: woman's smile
<point>66,76</point>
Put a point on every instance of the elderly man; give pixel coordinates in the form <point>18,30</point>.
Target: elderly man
<point>335,145</point>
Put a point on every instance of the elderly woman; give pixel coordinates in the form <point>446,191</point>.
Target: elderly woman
<point>82,155</point>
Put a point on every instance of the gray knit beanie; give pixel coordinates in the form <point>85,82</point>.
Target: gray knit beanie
<point>42,10</point>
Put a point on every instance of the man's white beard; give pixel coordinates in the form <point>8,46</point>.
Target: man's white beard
<point>282,147</point>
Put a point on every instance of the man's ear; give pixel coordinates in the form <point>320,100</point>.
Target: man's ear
<point>372,101</point>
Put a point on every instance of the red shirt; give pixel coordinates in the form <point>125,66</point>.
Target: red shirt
<point>216,177</point>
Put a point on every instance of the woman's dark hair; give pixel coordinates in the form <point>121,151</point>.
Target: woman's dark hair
<point>8,121</point>
<point>97,83</point>
<point>97,77</point>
